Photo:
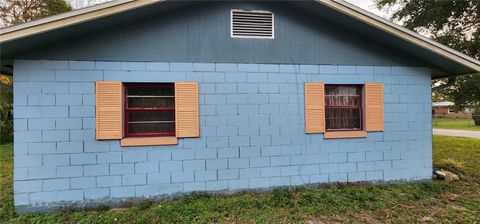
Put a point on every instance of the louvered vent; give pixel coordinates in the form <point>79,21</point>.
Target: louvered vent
<point>252,24</point>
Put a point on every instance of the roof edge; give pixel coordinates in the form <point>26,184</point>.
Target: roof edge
<point>70,18</point>
<point>402,33</point>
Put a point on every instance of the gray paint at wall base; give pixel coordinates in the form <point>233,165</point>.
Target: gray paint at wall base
<point>104,203</point>
<point>251,127</point>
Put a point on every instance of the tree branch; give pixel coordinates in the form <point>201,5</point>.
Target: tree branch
<point>449,83</point>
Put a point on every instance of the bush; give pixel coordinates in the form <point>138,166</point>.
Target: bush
<point>476,116</point>
<point>6,121</point>
<point>476,120</point>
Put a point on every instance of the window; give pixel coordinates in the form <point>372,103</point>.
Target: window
<point>251,24</point>
<point>149,109</point>
<point>162,111</point>
<point>343,107</point>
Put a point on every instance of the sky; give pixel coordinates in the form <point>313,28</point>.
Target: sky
<point>76,4</point>
<point>369,6</point>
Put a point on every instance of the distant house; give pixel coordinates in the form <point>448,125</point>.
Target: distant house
<point>446,110</point>
<point>145,99</point>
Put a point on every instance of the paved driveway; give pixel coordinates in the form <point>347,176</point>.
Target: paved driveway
<point>460,133</point>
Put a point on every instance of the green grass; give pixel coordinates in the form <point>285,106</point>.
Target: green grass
<point>6,177</point>
<point>455,124</point>
<point>432,201</point>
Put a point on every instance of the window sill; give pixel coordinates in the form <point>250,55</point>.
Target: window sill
<point>148,141</point>
<point>345,134</point>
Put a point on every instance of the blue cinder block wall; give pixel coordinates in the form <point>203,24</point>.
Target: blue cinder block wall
<point>251,132</point>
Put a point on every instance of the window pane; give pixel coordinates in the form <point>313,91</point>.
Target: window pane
<point>144,96</point>
<point>156,90</point>
<point>151,122</point>
<point>139,128</point>
<point>342,118</point>
<point>342,96</point>
<point>343,107</point>
<point>151,102</point>
<point>143,123</point>
<point>148,116</point>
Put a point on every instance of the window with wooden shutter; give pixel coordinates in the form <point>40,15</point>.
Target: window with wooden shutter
<point>186,109</point>
<point>374,107</point>
<point>314,108</point>
<point>108,110</point>
<point>337,111</point>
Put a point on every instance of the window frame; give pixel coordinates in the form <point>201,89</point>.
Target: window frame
<point>359,87</point>
<point>127,109</point>
<point>450,110</point>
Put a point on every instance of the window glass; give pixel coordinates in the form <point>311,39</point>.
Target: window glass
<point>146,116</point>
<point>151,129</point>
<point>153,90</point>
<point>149,110</point>
<point>343,107</point>
<point>151,102</point>
<point>151,96</point>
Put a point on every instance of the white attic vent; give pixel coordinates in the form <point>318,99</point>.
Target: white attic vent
<point>251,24</point>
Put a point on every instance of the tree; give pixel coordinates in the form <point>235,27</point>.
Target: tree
<point>14,12</point>
<point>454,23</point>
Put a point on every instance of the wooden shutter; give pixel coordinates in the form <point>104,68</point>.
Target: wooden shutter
<point>186,109</point>
<point>108,110</point>
<point>374,107</point>
<point>314,108</point>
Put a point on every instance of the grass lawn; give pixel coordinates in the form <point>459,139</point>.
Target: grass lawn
<point>455,124</point>
<point>432,201</point>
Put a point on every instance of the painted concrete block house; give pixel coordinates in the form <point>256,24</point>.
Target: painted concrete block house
<point>144,99</point>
